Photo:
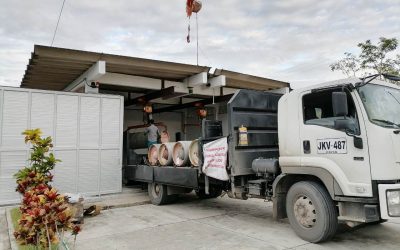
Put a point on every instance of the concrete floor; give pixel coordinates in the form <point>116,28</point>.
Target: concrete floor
<point>4,240</point>
<point>220,223</point>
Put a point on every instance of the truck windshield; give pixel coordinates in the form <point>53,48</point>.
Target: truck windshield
<point>382,104</point>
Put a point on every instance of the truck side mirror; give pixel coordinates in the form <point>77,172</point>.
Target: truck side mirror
<point>339,104</point>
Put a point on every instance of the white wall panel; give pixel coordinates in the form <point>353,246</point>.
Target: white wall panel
<point>110,124</point>
<point>1,113</point>
<point>89,122</point>
<point>7,191</point>
<point>109,171</point>
<point>11,162</point>
<point>89,172</point>
<point>67,121</point>
<point>87,134</point>
<point>15,118</point>
<point>65,172</point>
<point>43,118</point>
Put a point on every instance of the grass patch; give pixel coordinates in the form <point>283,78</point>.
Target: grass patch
<point>15,216</point>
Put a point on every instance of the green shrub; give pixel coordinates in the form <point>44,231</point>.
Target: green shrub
<point>45,214</point>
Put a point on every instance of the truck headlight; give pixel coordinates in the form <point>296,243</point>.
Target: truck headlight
<point>393,202</point>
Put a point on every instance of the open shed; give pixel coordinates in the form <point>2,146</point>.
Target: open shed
<point>174,91</point>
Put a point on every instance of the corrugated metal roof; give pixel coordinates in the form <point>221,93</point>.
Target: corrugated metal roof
<point>239,80</point>
<point>54,68</point>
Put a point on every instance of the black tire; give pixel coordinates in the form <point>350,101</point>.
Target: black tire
<point>214,192</point>
<point>316,219</point>
<point>158,194</point>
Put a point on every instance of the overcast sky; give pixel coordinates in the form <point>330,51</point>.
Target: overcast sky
<point>289,40</point>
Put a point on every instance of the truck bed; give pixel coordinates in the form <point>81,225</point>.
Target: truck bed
<point>174,176</point>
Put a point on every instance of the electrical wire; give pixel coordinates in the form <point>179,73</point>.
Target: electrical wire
<point>58,21</point>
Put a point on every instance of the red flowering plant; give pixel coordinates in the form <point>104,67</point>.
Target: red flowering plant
<point>45,214</point>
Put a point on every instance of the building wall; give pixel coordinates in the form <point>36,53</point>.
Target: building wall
<point>184,121</point>
<point>173,121</point>
<point>86,132</point>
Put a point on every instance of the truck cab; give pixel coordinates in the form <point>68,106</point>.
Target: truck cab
<point>343,137</point>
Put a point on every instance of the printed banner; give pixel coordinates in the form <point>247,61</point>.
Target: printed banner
<point>215,158</point>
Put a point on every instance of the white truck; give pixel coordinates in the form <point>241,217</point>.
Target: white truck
<point>324,155</point>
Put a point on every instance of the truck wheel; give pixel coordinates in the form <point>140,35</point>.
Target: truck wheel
<point>158,194</point>
<point>311,212</point>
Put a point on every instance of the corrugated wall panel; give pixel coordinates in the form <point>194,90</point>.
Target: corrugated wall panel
<point>87,134</point>
<point>90,122</point>
<point>84,127</point>
<point>8,194</point>
<point>66,171</point>
<point>67,121</point>
<point>15,118</point>
<point>11,162</point>
<point>110,122</point>
<point>89,166</point>
<point>43,118</point>
<point>1,114</point>
<point>110,171</point>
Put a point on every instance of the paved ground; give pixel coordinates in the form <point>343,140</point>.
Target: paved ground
<point>4,241</point>
<point>130,196</point>
<point>220,223</point>
<point>190,223</point>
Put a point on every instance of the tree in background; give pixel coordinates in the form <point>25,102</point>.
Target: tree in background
<point>374,58</point>
<point>349,65</point>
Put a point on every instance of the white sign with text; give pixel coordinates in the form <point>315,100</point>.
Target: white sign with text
<point>215,158</point>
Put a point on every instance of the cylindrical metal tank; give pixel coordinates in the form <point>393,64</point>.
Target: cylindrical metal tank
<point>263,166</point>
<point>194,153</point>
<point>165,153</point>
<point>152,154</point>
<point>180,153</point>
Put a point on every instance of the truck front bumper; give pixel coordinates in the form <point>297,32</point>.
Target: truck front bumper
<point>389,201</point>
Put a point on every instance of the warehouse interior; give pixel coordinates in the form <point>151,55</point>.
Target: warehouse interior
<point>177,96</point>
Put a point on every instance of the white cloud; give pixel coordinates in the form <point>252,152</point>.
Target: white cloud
<point>287,40</point>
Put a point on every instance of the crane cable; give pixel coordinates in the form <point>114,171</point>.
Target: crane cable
<point>58,21</point>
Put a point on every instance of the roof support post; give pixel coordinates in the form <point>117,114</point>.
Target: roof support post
<point>92,75</point>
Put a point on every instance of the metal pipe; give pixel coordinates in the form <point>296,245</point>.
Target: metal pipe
<point>165,153</point>
<point>180,153</point>
<point>152,154</point>
<point>264,166</point>
<point>194,153</point>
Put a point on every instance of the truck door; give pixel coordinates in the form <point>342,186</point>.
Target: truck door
<point>328,150</point>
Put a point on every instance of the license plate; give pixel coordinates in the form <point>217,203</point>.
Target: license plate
<point>332,146</point>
